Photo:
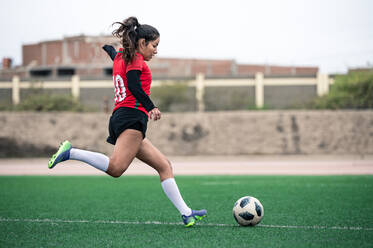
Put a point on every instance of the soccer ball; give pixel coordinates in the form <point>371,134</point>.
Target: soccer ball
<point>248,211</point>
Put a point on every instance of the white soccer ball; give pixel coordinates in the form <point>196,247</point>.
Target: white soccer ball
<point>248,211</point>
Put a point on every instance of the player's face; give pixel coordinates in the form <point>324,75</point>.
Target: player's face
<point>150,50</point>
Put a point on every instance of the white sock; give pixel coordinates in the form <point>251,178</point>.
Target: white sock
<point>172,191</point>
<point>97,160</point>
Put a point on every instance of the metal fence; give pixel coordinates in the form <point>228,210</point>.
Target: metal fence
<point>261,90</point>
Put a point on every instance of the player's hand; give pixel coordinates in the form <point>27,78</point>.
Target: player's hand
<point>155,114</point>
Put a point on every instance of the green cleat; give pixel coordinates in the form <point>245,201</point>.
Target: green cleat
<point>196,215</point>
<point>61,155</point>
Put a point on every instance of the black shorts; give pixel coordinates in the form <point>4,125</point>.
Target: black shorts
<point>126,118</point>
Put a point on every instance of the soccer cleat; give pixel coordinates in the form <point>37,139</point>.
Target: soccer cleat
<point>194,217</point>
<point>62,154</point>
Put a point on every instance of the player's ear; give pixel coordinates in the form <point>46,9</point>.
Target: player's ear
<point>142,43</point>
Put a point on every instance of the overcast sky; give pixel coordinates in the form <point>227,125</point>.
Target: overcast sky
<point>332,34</point>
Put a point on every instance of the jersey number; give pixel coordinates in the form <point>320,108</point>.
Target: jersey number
<point>119,90</point>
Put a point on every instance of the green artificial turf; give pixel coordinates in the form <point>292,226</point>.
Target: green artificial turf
<point>132,211</point>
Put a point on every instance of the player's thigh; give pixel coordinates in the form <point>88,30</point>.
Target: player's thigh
<point>126,148</point>
<point>150,155</point>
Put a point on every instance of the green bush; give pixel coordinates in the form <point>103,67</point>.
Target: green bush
<point>351,91</point>
<point>49,102</point>
<point>167,95</point>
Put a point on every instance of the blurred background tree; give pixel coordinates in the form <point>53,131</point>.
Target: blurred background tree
<point>49,102</point>
<point>351,91</point>
<point>174,97</point>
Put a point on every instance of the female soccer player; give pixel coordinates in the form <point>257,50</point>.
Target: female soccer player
<point>128,122</point>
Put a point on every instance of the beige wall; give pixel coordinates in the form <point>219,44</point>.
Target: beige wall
<point>214,133</point>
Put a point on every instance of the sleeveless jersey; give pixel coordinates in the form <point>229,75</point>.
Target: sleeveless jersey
<point>122,95</point>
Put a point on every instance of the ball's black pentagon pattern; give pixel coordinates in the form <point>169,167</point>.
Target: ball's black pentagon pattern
<point>246,216</point>
<point>244,202</point>
<point>258,209</point>
<point>248,211</point>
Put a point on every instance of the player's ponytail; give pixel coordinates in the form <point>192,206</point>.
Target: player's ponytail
<point>129,32</point>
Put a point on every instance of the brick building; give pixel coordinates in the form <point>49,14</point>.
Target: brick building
<point>83,56</point>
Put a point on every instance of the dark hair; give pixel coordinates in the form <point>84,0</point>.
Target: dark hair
<point>129,32</point>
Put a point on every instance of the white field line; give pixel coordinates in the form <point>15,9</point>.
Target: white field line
<point>55,221</point>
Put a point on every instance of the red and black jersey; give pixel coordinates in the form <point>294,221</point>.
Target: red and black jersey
<point>124,93</point>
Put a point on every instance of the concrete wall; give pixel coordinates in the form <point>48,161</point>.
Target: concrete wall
<point>214,133</point>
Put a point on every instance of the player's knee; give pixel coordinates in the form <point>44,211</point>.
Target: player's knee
<point>167,169</point>
<point>115,173</point>
<point>116,169</point>
<point>169,165</point>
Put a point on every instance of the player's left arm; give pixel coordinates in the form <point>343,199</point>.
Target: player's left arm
<point>110,50</point>
<point>134,86</point>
